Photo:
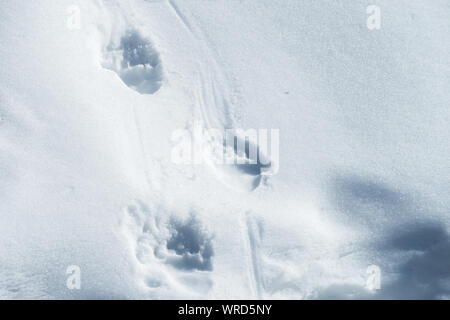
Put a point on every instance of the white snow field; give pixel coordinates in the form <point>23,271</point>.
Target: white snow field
<point>92,94</point>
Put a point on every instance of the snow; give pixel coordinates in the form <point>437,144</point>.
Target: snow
<point>87,123</point>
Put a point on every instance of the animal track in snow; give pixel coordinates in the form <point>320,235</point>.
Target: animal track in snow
<point>191,243</point>
<point>169,250</point>
<point>246,162</point>
<point>136,62</point>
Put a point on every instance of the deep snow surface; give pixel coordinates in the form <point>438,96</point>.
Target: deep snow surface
<point>87,123</point>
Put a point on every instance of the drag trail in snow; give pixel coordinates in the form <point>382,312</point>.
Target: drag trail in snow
<point>214,100</point>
